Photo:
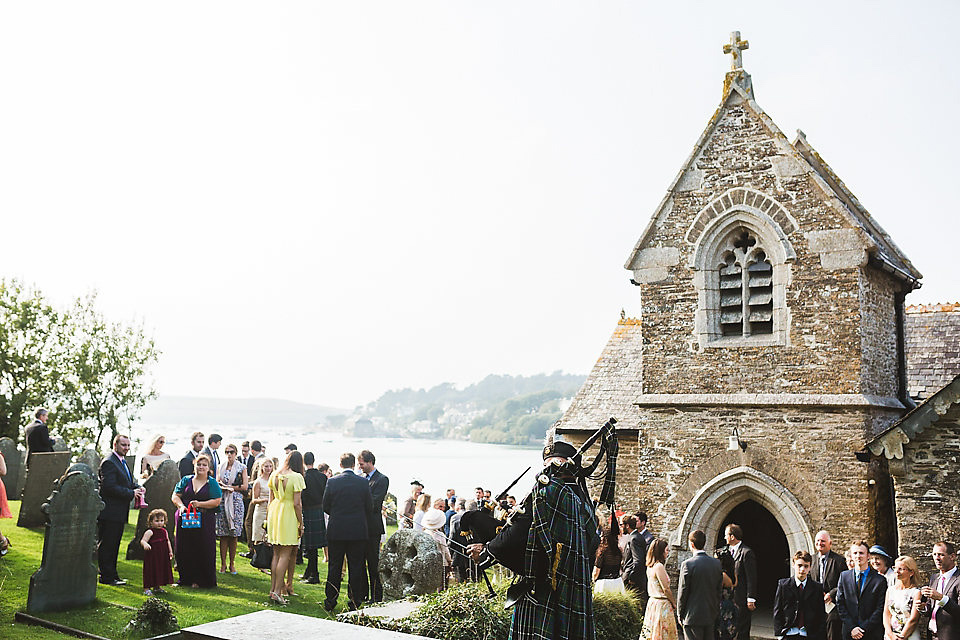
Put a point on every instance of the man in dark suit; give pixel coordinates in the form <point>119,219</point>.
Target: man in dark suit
<point>38,436</point>
<point>698,594</point>
<point>213,443</point>
<point>347,499</point>
<point>826,569</point>
<point>379,484</point>
<point>186,462</point>
<point>942,595</point>
<point>645,533</point>
<point>798,606</point>
<point>633,565</point>
<point>117,489</point>
<point>861,593</point>
<point>745,592</point>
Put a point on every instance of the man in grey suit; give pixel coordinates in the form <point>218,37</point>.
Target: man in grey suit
<point>698,595</point>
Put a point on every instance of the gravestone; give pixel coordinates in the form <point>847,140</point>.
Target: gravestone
<point>159,487</point>
<point>91,458</point>
<point>82,467</point>
<point>67,576</point>
<point>59,444</point>
<point>14,459</point>
<point>410,564</point>
<point>45,469</point>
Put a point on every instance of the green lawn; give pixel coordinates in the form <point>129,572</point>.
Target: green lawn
<point>235,595</point>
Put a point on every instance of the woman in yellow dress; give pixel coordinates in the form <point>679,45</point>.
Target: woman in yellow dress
<point>285,524</point>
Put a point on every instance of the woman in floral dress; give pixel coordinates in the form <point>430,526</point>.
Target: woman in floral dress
<point>660,619</point>
<point>901,613</point>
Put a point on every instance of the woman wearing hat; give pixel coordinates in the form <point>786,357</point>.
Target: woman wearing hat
<point>882,563</point>
<point>433,521</point>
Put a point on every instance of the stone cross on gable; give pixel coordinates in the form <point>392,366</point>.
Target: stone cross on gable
<point>735,47</point>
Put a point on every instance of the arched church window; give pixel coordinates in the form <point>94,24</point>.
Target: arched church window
<point>746,287</point>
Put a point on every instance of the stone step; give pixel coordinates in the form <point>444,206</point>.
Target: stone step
<point>268,623</point>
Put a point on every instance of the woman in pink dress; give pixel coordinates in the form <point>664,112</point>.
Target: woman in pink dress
<point>4,507</point>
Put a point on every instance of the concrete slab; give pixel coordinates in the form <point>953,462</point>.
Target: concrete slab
<point>270,624</point>
<point>389,611</point>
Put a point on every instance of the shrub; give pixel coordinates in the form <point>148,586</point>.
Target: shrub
<point>617,616</point>
<point>155,616</point>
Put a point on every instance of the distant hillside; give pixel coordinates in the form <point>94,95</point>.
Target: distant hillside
<point>499,409</point>
<point>247,411</point>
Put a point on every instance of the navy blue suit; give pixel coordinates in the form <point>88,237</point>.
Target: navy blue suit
<point>379,484</point>
<point>862,607</point>
<point>348,501</point>
<point>116,490</point>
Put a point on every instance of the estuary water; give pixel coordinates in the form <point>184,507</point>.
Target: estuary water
<point>438,464</point>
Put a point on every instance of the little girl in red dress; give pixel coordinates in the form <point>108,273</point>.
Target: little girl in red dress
<point>159,552</point>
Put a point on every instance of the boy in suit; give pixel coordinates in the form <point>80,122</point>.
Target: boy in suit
<point>798,606</point>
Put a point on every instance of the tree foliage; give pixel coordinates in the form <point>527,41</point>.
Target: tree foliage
<point>91,373</point>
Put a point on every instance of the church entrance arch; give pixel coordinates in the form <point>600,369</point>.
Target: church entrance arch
<point>718,498</point>
<point>763,534</point>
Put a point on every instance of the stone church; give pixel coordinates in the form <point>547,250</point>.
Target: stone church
<point>773,377</point>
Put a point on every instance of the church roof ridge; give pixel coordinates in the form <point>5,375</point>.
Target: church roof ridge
<point>934,307</point>
<point>889,252</point>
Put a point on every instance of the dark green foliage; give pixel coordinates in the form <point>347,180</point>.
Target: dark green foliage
<point>467,612</point>
<point>617,616</point>
<point>154,616</point>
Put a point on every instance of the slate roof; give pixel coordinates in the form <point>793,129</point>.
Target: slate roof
<point>613,385</point>
<point>932,335</point>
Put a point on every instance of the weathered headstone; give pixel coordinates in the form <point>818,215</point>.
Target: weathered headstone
<point>67,576</point>
<point>13,457</point>
<point>159,488</point>
<point>410,564</point>
<point>59,444</point>
<point>84,468</point>
<point>45,469</point>
<point>91,458</point>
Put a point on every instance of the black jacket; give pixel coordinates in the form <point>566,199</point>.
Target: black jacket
<point>116,489</point>
<point>863,609</point>
<point>789,600</point>
<point>186,464</point>
<point>38,438</point>
<point>634,563</point>
<point>746,568</point>
<point>347,499</point>
<point>312,495</point>
<point>379,485</point>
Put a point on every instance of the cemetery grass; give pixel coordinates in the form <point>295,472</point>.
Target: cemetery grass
<point>112,610</point>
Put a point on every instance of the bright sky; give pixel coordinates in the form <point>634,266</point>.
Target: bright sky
<point>320,201</point>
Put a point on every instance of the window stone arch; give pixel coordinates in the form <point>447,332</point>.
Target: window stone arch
<point>742,267</point>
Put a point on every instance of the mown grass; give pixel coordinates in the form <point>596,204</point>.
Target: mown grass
<point>106,616</point>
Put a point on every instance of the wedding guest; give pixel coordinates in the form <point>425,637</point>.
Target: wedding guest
<point>260,502</point>
<point>433,521</point>
<point>405,518</point>
<point>285,524</point>
<point>232,478</point>
<point>117,489</point>
<point>196,548</point>
<point>606,569</point>
<point>153,455</point>
<point>314,526</point>
<point>4,507</point>
<point>901,613</point>
<point>882,563</point>
<point>158,554</point>
<point>423,505</point>
<point>660,617</point>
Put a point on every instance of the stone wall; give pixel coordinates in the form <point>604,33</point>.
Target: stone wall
<point>878,334</point>
<point>927,485</point>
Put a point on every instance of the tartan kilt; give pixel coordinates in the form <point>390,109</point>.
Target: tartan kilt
<point>314,529</point>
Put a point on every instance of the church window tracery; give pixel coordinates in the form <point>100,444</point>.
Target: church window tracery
<point>746,287</point>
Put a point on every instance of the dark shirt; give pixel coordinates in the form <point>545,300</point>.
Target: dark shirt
<point>312,495</point>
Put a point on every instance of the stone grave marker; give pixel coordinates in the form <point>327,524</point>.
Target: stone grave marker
<point>91,458</point>
<point>45,469</point>
<point>410,564</point>
<point>59,444</point>
<point>159,488</point>
<point>13,457</point>
<point>67,576</point>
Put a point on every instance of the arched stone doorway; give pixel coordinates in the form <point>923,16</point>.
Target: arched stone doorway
<point>710,506</point>
<point>763,534</point>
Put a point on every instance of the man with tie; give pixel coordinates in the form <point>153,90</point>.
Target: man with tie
<point>379,484</point>
<point>798,606</point>
<point>213,443</point>
<point>745,591</point>
<point>117,489</point>
<point>942,595</point>
<point>861,593</point>
<point>826,569</point>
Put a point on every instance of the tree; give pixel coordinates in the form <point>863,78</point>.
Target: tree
<point>107,384</point>
<point>30,345</point>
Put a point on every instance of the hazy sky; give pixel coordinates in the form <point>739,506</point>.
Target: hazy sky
<point>320,201</point>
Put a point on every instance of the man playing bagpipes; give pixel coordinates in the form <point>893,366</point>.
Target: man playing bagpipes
<point>550,542</point>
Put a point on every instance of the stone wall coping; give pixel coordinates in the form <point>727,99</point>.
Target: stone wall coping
<point>890,442</point>
<point>767,400</point>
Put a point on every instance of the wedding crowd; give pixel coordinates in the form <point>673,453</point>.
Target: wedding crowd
<point>865,594</point>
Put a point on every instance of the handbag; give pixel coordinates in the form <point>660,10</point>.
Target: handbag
<point>262,556</point>
<point>190,519</point>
